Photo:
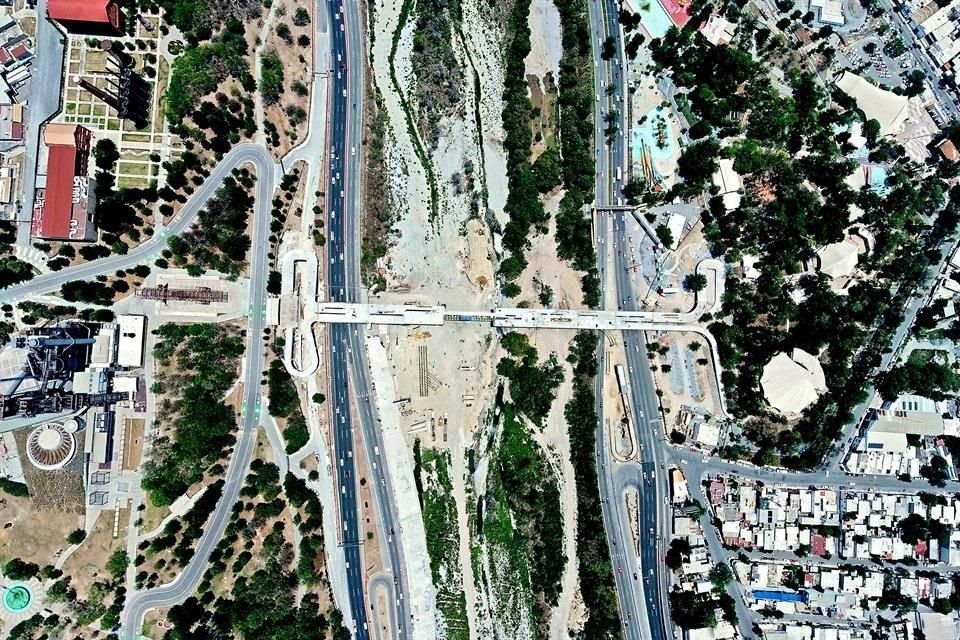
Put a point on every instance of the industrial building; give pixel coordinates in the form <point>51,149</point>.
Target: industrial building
<point>91,17</point>
<point>64,205</point>
<point>130,336</point>
<point>67,384</point>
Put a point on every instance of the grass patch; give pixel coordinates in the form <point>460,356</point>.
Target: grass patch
<point>443,541</point>
<point>924,356</point>
<point>134,168</point>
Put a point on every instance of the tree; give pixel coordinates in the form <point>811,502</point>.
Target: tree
<point>664,235</point>
<point>547,169</point>
<point>720,575</point>
<point>677,553</point>
<point>510,289</point>
<point>915,83</point>
<point>689,611</point>
<point>943,606</point>
<point>937,472</point>
<point>106,154</point>
<point>283,394</point>
<point>76,536</point>
<point>271,76</point>
<point>695,282</point>
<point>698,163</point>
<point>609,48</point>
<point>516,344</point>
<point>17,569</point>
<point>117,563</point>
<point>700,129</point>
<point>301,17</point>
<point>274,282</point>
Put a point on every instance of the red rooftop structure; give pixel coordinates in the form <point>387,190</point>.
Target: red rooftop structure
<point>63,208</point>
<point>101,17</point>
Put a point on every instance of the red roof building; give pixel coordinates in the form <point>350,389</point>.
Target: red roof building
<point>819,544</point>
<point>63,209</point>
<point>949,150</point>
<point>87,16</point>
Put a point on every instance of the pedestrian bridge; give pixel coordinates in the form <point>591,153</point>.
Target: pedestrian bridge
<point>507,318</point>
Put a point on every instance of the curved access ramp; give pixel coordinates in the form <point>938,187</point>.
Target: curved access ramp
<point>268,175</point>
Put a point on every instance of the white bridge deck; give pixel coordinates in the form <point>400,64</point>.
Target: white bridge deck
<point>508,318</point>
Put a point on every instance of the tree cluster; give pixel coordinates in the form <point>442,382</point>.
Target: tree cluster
<point>593,555</point>
<point>533,385</point>
<point>791,153</point>
<point>532,492</point>
<point>219,240</point>
<point>207,355</point>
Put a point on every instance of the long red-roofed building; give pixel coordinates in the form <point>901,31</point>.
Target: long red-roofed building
<point>63,208</point>
<point>87,16</point>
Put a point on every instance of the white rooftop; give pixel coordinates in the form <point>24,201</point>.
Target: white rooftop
<point>791,383</point>
<point>130,341</point>
<point>886,107</point>
<point>838,259</point>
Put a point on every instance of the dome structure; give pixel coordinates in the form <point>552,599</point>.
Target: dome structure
<point>51,446</point>
<point>792,382</point>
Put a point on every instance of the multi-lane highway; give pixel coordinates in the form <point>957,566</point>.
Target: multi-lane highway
<point>637,589</point>
<point>647,476</point>
<point>341,396</point>
<point>347,350</point>
<point>346,347</point>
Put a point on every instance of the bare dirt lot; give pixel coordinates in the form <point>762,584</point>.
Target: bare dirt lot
<point>288,114</point>
<point>133,449</point>
<point>87,563</point>
<point>31,535</point>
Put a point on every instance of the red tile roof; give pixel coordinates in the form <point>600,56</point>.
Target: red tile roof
<point>949,150</point>
<point>819,544</point>
<point>98,11</point>
<point>55,221</point>
<point>53,213</point>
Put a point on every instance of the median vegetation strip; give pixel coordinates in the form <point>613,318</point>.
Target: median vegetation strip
<point>574,235</point>
<point>530,488</point>
<point>523,206</point>
<point>533,385</point>
<point>593,556</point>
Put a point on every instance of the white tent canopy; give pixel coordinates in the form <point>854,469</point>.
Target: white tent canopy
<point>838,259</point>
<point>886,107</point>
<point>792,383</point>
